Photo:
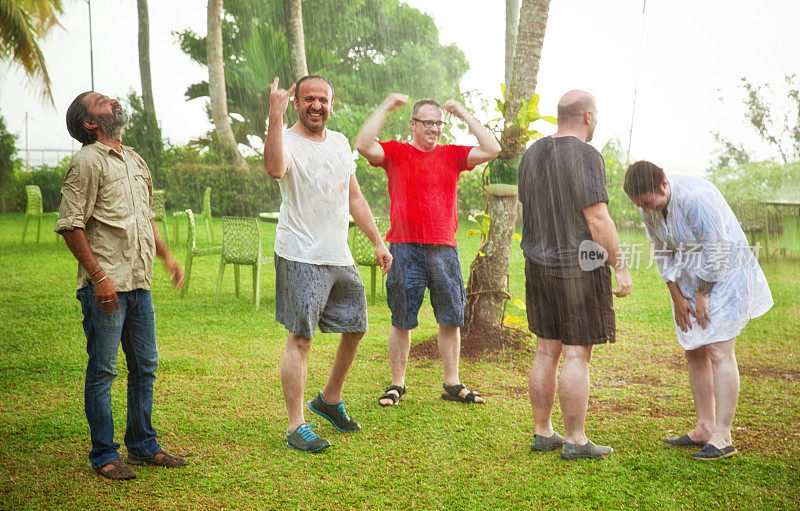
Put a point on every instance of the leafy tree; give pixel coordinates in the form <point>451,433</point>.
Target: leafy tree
<point>143,133</point>
<point>367,48</point>
<point>779,131</point>
<point>22,23</point>
<point>7,161</point>
<point>620,208</point>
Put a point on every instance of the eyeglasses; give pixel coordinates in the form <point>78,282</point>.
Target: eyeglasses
<point>429,124</point>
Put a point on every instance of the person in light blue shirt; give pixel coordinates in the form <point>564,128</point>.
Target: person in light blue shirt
<point>716,287</point>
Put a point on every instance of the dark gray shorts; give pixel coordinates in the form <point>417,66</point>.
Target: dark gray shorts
<point>311,295</point>
<point>569,304</point>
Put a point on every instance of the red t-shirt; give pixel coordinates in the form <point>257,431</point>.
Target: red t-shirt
<point>422,191</point>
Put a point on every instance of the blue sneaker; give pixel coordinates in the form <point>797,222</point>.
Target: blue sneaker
<point>304,439</point>
<point>334,413</point>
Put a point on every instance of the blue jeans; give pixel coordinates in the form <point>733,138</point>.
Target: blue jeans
<point>133,324</point>
<point>417,266</point>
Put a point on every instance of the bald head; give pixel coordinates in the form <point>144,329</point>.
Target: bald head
<point>574,104</point>
<point>577,109</point>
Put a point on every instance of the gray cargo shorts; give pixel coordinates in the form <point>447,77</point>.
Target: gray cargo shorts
<point>311,295</point>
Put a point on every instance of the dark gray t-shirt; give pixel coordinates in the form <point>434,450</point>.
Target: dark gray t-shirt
<point>558,177</point>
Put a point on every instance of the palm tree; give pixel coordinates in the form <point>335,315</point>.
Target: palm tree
<point>22,24</point>
<point>216,84</point>
<point>488,280</point>
<point>293,12</point>
<point>144,58</point>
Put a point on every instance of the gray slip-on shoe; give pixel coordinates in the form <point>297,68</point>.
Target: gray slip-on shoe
<point>682,441</point>
<point>587,451</point>
<point>544,444</point>
<point>711,452</point>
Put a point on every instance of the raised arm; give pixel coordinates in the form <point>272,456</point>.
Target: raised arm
<point>361,213</point>
<point>367,139</point>
<point>604,233</point>
<point>488,148</point>
<point>275,162</point>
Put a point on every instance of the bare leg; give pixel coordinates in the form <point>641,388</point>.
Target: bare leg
<point>399,347</point>
<point>573,391</point>
<point>726,390</point>
<point>542,384</point>
<point>450,349</point>
<point>449,339</point>
<point>701,379</point>
<point>345,354</point>
<point>294,370</point>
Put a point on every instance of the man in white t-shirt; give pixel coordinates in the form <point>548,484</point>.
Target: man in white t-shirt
<point>316,283</point>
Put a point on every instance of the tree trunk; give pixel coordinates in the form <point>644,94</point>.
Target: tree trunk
<point>216,84</point>
<point>144,58</point>
<point>487,287</point>
<point>527,53</point>
<point>512,23</point>
<point>293,12</point>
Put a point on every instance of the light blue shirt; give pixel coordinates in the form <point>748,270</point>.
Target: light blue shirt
<point>702,239</point>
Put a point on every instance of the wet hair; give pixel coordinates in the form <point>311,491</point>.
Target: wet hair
<point>311,77</point>
<point>77,114</point>
<point>424,102</point>
<point>643,177</point>
<point>570,109</point>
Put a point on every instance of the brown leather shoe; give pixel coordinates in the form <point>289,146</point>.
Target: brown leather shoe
<point>119,471</point>
<point>167,460</point>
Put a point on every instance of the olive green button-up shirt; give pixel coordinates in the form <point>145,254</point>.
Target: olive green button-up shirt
<point>108,194</point>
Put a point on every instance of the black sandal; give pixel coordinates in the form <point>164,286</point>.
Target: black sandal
<point>396,398</point>
<point>451,393</point>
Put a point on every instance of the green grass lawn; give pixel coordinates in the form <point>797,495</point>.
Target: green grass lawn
<point>218,402</point>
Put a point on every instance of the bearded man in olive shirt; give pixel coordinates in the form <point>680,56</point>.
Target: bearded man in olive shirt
<point>106,221</point>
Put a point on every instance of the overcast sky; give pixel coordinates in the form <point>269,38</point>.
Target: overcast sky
<point>690,54</point>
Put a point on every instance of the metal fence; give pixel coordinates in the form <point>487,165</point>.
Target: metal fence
<point>36,157</point>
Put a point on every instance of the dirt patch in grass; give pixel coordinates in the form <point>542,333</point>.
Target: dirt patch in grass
<point>477,344</point>
<point>626,409</point>
<point>764,440</point>
<point>776,373</point>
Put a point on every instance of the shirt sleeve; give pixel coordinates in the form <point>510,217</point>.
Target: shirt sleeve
<point>389,151</point>
<point>78,195</point>
<point>459,155</point>
<point>594,178</point>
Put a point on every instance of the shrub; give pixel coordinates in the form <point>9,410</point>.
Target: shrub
<point>47,178</point>
<point>245,192</point>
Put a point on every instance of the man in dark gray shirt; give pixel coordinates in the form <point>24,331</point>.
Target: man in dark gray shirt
<point>569,242</point>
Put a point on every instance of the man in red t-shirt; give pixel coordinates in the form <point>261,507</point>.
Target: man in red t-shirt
<point>422,190</point>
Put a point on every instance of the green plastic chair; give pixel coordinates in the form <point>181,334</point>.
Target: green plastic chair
<point>160,213</point>
<point>205,214</point>
<point>33,209</point>
<point>192,251</point>
<point>241,245</point>
<point>364,252</point>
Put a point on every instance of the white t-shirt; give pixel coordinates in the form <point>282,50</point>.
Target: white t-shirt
<point>315,212</point>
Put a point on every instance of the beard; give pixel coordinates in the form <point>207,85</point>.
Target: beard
<point>112,124</point>
<point>308,123</point>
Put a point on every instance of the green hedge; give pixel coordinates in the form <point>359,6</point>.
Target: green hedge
<point>47,178</point>
<point>235,192</point>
